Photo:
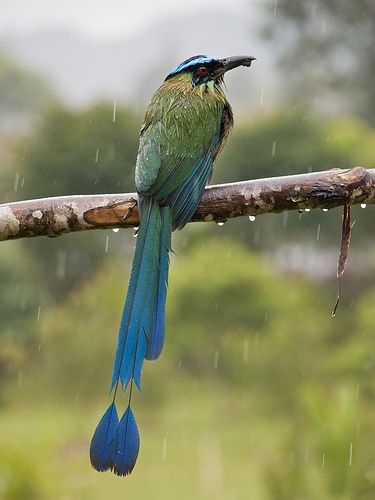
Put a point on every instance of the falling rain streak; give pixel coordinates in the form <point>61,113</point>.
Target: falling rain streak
<point>16,181</point>
<point>97,155</point>
<point>262,96</point>
<point>273,148</point>
<point>350,454</point>
<point>318,233</point>
<point>216,360</point>
<point>275,8</point>
<point>114,111</point>
<point>106,244</point>
<point>165,444</point>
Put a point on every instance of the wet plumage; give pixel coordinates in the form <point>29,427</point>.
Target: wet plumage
<point>185,127</point>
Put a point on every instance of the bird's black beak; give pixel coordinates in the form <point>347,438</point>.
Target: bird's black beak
<point>229,63</point>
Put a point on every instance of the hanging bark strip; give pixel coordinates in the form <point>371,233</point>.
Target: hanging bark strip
<point>344,251</point>
<point>65,214</point>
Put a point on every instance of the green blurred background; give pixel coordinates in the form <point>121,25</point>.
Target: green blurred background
<point>259,393</point>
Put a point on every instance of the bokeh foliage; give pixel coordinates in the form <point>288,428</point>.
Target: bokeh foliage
<point>254,383</point>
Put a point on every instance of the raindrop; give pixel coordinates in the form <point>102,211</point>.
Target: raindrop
<point>251,218</point>
<point>106,244</point>
<point>38,316</point>
<point>318,233</point>
<point>273,148</point>
<point>323,460</point>
<point>363,205</point>
<point>61,265</point>
<point>262,96</point>
<point>216,360</point>
<point>16,180</point>
<point>114,111</point>
<point>165,444</point>
<point>350,454</point>
<point>221,223</point>
<point>116,229</point>
<point>97,155</point>
<point>275,8</point>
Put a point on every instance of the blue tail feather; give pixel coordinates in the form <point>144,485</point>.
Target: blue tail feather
<point>156,339</point>
<point>141,288</point>
<point>125,445</point>
<point>115,444</point>
<point>100,448</point>
<point>139,357</point>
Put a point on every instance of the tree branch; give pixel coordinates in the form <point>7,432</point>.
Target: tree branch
<point>59,215</point>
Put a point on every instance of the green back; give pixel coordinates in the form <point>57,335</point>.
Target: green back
<point>180,126</point>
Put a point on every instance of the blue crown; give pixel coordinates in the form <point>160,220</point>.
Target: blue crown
<point>192,61</point>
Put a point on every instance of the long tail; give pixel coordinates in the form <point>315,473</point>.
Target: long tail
<point>115,444</point>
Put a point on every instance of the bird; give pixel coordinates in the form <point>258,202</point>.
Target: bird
<point>185,127</point>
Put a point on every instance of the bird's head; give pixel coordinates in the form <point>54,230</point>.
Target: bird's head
<point>204,69</point>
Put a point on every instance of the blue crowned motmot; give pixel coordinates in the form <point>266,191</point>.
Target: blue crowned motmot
<point>184,129</point>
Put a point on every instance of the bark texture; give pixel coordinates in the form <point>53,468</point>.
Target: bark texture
<point>60,215</point>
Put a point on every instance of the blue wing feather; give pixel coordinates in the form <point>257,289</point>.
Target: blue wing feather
<point>185,199</point>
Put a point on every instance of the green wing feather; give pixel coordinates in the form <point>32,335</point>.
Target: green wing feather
<point>178,131</point>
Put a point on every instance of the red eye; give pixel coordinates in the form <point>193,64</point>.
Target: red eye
<point>203,70</point>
